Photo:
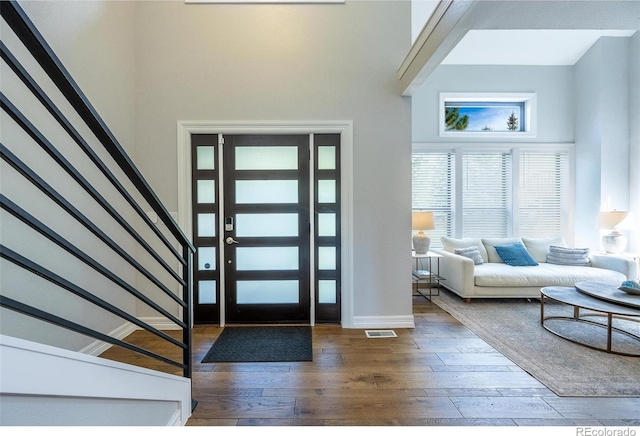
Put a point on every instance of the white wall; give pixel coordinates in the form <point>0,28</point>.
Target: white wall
<point>602,90</point>
<point>291,62</point>
<point>634,139</point>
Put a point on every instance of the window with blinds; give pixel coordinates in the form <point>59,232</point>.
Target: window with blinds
<point>543,187</point>
<point>432,190</point>
<point>486,195</point>
<point>520,192</point>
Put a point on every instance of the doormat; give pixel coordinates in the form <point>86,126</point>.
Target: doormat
<point>261,344</point>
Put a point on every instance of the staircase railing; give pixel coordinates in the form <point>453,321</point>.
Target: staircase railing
<point>166,293</point>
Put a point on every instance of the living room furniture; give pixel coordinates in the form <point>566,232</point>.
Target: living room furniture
<point>633,256</point>
<point>574,296</point>
<point>494,279</point>
<point>425,274</point>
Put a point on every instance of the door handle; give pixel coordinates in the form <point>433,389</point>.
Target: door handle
<point>230,241</point>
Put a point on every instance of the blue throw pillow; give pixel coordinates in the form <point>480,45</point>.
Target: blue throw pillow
<point>515,255</point>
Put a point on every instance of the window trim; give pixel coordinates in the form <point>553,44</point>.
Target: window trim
<point>529,100</point>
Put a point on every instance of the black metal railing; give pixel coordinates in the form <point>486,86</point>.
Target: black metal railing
<point>172,247</point>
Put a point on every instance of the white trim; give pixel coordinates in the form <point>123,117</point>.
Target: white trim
<point>384,322</point>
<point>478,147</point>
<point>343,127</point>
<point>530,113</point>
<point>30,368</point>
<point>265,1</point>
<point>97,347</point>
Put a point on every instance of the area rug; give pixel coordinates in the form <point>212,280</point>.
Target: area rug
<point>513,328</point>
<point>261,344</point>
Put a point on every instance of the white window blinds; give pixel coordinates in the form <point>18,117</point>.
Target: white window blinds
<point>486,195</point>
<point>543,187</point>
<point>520,192</point>
<point>432,190</point>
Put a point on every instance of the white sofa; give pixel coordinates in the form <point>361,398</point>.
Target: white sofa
<point>495,279</point>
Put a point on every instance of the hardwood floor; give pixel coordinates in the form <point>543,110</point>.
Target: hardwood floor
<point>438,374</point>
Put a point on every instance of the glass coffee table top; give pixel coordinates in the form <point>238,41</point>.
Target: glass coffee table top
<point>607,292</point>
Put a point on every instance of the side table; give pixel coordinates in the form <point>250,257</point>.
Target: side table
<point>424,273</point>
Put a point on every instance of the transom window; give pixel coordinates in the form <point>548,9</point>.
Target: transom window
<point>487,115</point>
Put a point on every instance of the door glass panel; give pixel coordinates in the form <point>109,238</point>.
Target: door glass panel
<point>206,258</point>
<point>326,224</point>
<point>266,158</point>
<point>206,292</point>
<point>327,291</point>
<point>326,258</point>
<point>266,191</point>
<point>206,225</point>
<point>267,224</point>
<point>326,157</point>
<point>206,191</point>
<point>267,291</point>
<point>206,158</point>
<point>266,258</point>
<point>326,191</point>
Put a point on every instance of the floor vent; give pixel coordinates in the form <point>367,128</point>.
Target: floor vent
<point>381,334</point>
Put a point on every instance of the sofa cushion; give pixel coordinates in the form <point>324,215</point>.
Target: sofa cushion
<point>545,274</point>
<point>490,243</point>
<point>515,255</point>
<point>450,244</point>
<point>472,253</point>
<point>568,256</point>
<point>539,247</point>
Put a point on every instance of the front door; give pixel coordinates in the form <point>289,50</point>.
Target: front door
<point>267,239</point>
<point>266,228</point>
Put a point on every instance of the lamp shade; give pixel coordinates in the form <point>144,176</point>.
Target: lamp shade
<point>422,221</point>
<point>616,219</point>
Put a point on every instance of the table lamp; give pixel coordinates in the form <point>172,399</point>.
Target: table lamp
<point>422,221</point>
<point>615,220</point>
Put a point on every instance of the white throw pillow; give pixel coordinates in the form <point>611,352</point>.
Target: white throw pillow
<point>490,243</point>
<point>472,253</point>
<point>539,247</point>
<point>569,256</point>
<point>450,244</point>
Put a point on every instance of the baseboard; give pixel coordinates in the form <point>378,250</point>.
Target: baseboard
<point>375,322</point>
<point>96,348</point>
<point>160,322</point>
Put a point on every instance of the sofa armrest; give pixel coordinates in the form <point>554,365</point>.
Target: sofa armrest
<point>626,266</point>
<point>458,273</point>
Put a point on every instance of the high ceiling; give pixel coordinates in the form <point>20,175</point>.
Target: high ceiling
<point>526,47</point>
<point>511,32</point>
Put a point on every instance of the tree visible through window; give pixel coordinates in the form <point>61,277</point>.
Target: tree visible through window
<point>484,116</point>
<point>487,114</point>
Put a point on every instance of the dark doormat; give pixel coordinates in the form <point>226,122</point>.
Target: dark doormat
<point>261,344</point>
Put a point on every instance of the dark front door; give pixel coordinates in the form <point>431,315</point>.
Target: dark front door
<point>266,236</point>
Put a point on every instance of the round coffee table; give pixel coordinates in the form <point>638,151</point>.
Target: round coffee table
<point>580,300</point>
<point>605,291</point>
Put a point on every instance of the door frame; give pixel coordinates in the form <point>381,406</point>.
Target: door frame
<point>344,128</point>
